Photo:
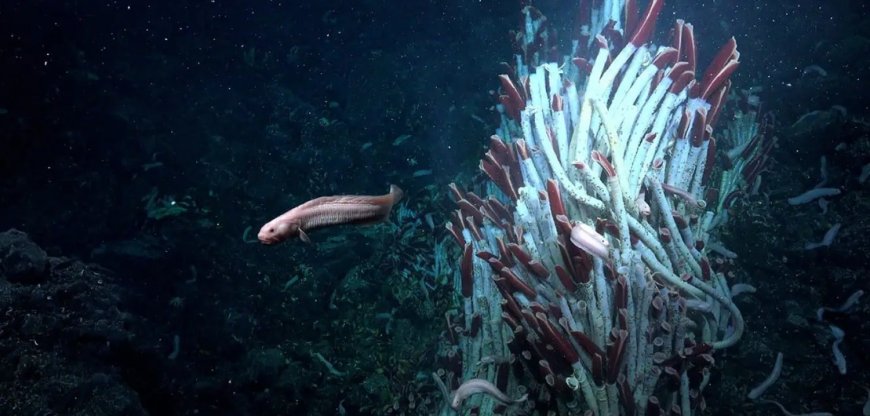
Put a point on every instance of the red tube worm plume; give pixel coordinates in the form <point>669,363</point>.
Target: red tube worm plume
<point>556,339</point>
<point>687,52</point>
<point>605,164</point>
<point>681,77</point>
<point>631,16</point>
<point>557,206</point>
<point>711,161</point>
<point>466,271</point>
<point>616,353</point>
<point>476,322</point>
<point>647,23</point>
<point>565,279</point>
<point>598,374</point>
<point>666,57</point>
<point>457,235</point>
<point>512,100</point>
<point>626,397</point>
<point>723,65</point>
<point>533,266</point>
<point>677,34</point>
<point>504,256</point>
<point>516,283</point>
<point>556,104</point>
<point>716,99</point>
<point>563,226</point>
<point>502,167</point>
<point>470,211</point>
<point>698,127</point>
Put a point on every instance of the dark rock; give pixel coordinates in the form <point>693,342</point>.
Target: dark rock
<point>21,260</point>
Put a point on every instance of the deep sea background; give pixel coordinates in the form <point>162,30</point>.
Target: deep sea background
<point>143,143</point>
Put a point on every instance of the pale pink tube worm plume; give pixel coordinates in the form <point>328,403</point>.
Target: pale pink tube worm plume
<point>587,239</point>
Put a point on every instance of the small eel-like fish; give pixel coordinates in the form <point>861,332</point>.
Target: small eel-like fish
<point>329,210</point>
<point>479,385</point>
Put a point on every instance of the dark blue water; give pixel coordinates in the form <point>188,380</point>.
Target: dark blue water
<point>143,144</point>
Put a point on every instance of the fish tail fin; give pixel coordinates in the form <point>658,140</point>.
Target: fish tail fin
<point>396,193</point>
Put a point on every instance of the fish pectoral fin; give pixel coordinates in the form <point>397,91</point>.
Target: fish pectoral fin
<point>304,237</point>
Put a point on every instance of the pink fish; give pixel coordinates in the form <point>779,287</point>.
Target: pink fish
<point>329,210</point>
<point>479,385</point>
